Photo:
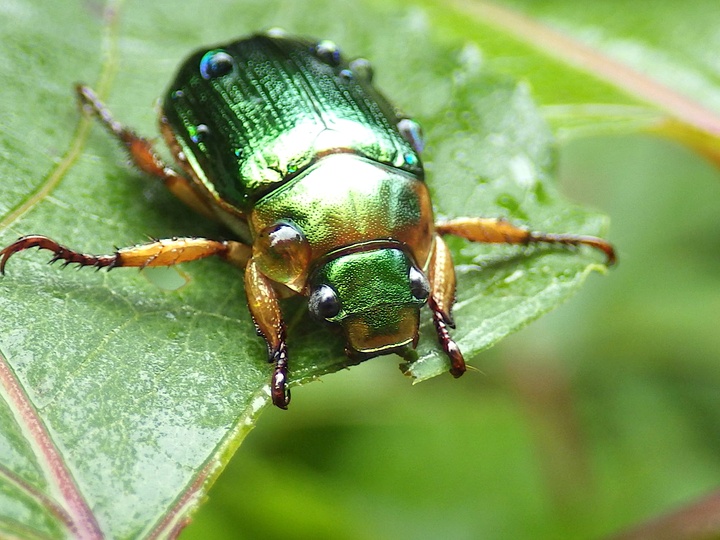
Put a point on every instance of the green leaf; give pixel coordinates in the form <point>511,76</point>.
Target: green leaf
<point>624,66</point>
<point>122,401</point>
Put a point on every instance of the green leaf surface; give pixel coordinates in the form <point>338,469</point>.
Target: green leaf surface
<point>122,400</point>
<point>623,66</point>
<point>670,44</point>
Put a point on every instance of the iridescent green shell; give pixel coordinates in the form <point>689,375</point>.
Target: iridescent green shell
<point>250,115</point>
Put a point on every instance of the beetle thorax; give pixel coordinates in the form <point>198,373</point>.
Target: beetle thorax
<point>342,200</point>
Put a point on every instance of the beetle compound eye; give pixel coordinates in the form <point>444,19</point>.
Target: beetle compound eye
<point>283,253</point>
<point>216,63</point>
<point>419,285</point>
<point>328,52</point>
<point>324,303</point>
<point>412,133</point>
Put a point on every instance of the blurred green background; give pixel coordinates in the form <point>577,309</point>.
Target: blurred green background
<point>600,415</point>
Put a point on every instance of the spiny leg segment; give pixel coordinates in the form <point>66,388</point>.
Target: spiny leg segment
<point>500,231</point>
<point>267,316</point>
<point>442,271</point>
<point>166,252</point>
<point>442,297</point>
<point>142,153</point>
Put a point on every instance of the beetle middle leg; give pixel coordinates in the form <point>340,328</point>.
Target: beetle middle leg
<point>142,153</point>
<point>500,231</point>
<point>442,272</point>
<point>166,252</point>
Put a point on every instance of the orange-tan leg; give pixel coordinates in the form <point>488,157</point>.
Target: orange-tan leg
<point>142,153</point>
<point>265,310</point>
<point>442,296</point>
<point>261,296</point>
<point>500,231</point>
<point>166,252</point>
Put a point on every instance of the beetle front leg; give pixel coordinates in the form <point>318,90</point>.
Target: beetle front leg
<point>142,153</point>
<point>265,310</point>
<point>442,297</point>
<point>499,231</point>
<point>166,252</point>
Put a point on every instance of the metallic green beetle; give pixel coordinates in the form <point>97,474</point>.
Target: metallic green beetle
<point>320,178</point>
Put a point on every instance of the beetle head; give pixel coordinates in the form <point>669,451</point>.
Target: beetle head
<point>375,295</point>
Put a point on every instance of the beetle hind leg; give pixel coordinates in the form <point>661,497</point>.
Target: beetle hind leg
<point>499,231</point>
<point>142,152</point>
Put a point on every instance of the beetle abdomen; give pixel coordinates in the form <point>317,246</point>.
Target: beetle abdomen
<point>251,114</point>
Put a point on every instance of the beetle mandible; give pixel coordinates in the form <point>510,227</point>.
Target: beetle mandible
<point>320,177</point>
